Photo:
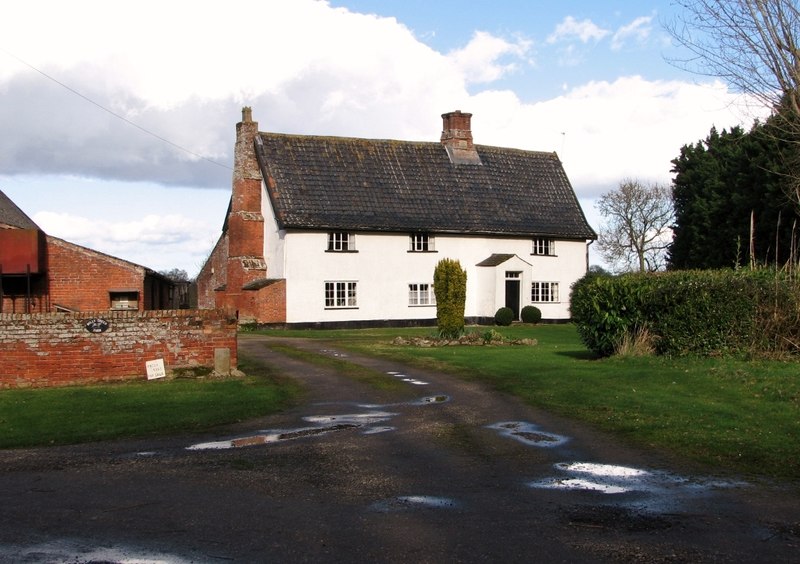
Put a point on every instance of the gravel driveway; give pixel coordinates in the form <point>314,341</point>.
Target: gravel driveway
<point>440,471</point>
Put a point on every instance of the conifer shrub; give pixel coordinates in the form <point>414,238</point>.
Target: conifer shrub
<point>530,314</point>
<point>504,316</point>
<point>450,289</point>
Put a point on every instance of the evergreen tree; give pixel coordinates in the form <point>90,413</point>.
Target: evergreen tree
<point>720,184</point>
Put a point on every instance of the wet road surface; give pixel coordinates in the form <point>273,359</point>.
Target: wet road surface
<point>439,471</point>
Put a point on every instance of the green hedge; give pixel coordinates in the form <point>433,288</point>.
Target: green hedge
<point>689,312</point>
<point>530,314</point>
<point>504,316</point>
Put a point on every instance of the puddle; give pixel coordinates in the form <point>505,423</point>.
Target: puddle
<point>326,424</point>
<point>431,400</point>
<point>646,489</point>
<point>414,502</point>
<point>268,437</point>
<point>529,434</point>
<point>333,353</point>
<point>79,551</point>
<point>351,418</point>
<point>405,378</point>
<point>376,430</point>
<point>368,422</point>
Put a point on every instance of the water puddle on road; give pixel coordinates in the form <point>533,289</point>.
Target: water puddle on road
<point>370,423</point>
<point>403,378</point>
<point>646,489</point>
<point>529,434</point>
<point>405,502</point>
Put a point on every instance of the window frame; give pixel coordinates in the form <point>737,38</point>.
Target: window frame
<point>421,243</point>
<point>415,294</point>
<point>543,247</point>
<point>551,292</point>
<point>341,242</point>
<point>341,294</point>
<point>130,299</point>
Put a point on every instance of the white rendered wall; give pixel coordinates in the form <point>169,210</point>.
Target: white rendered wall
<point>383,267</point>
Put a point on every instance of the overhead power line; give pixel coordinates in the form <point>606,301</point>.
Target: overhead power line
<point>113,113</point>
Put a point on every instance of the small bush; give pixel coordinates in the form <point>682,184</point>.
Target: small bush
<point>504,316</point>
<point>531,314</point>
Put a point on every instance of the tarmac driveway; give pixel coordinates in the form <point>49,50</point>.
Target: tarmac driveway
<point>442,471</point>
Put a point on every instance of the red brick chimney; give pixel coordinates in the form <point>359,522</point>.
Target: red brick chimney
<point>457,138</point>
<point>245,223</point>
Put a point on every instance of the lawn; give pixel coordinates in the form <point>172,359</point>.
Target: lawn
<point>53,416</point>
<point>731,416</point>
<point>734,416</point>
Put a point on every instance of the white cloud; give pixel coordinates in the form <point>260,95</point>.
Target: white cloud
<point>161,242</point>
<point>605,131</point>
<point>570,29</point>
<point>305,68</point>
<point>479,60</point>
<point>638,30</point>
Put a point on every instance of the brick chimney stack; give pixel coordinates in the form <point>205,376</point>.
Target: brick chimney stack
<point>245,224</point>
<point>457,138</point>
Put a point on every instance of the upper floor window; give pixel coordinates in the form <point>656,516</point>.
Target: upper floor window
<point>544,247</point>
<point>341,241</point>
<point>421,242</point>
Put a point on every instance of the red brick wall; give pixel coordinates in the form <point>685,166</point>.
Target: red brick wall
<point>213,275</point>
<point>56,349</point>
<point>270,303</point>
<point>80,278</point>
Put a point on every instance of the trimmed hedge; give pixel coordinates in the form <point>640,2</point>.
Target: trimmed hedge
<point>690,312</point>
<point>530,314</point>
<point>504,316</point>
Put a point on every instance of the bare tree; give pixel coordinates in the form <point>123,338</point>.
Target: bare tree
<point>636,233</point>
<point>754,45</point>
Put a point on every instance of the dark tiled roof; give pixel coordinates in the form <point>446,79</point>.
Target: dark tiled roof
<point>11,215</point>
<point>379,185</point>
<point>495,260</point>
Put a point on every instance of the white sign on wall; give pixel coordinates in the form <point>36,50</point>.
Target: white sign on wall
<point>155,369</point>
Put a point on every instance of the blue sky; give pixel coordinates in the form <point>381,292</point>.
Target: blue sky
<point>118,122</point>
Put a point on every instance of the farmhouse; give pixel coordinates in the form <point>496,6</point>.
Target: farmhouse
<point>40,273</point>
<point>331,231</point>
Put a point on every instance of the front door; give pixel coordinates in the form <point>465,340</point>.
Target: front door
<point>512,292</point>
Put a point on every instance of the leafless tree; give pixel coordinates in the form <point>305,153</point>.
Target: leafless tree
<point>636,232</point>
<point>754,45</point>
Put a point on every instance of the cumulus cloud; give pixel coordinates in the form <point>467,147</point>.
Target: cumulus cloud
<point>638,30</point>
<point>480,60</point>
<point>157,241</point>
<point>584,30</point>
<point>305,67</point>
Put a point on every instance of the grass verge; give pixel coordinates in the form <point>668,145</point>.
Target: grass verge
<point>56,416</point>
<point>735,416</point>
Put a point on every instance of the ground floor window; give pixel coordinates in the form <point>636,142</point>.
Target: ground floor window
<point>421,294</point>
<point>340,294</point>
<point>544,292</point>
<point>125,299</point>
